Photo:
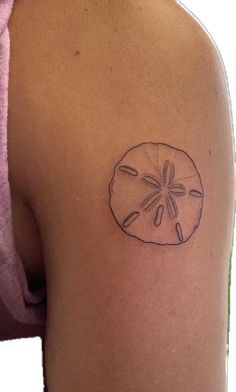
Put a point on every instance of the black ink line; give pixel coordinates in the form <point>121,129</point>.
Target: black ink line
<point>195,193</point>
<point>177,186</point>
<point>178,193</point>
<point>179,231</point>
<point>164,176</point>
<point>177,189</point>
<point>200,213</point>
<point>149,197</point>
<point>151,180</point>
<point>174,206</point>
<point>130,218</point>
<point>159,215</point>
<point>152,203</point>
<point>170,211</point>
<point>179,179</point>
<point>128,170</point>
<point>111,185</point>
<point>172,173</point>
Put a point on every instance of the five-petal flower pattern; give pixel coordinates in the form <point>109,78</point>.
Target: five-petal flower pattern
<point>164,188</point>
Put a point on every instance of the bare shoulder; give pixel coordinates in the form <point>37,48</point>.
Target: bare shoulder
<point>78,69</point>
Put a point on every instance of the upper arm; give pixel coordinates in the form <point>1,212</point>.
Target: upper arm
<point>127,311</point>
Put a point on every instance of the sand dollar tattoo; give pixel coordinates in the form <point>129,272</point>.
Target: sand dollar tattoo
<point>156,194</point>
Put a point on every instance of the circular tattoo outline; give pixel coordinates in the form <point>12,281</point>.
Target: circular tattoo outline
<point>135,173</point>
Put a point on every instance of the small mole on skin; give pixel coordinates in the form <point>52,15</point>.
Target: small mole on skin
<point>209,152</point>
<point>111,69</point>
<point>77,53</point>
<point>86,9</point>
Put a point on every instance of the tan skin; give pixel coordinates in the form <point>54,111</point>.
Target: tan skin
<point>89,80</point>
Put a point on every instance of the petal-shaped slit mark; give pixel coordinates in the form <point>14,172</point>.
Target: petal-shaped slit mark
<point>159,215</point>
<point>150,196</point>
<point>170,208</point>
<point>164,175</point>
<point>177,189</point>
<point>179,231</point>
<point>195,193</point>
<point>130,218</point>
<point>171,173</point>
<point>173,206</point>
<point>152,202</point>
<point>177,186</point>
<point>177,193</point>
<point>151,180</point>
<point>168,173</point>
<point>128,170</point>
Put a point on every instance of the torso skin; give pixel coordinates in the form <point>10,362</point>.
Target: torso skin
<point>89,80</point>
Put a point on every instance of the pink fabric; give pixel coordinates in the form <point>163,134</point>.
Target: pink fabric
<point>22,312</point>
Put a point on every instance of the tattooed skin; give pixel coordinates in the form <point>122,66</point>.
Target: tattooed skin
<point>156,194</point>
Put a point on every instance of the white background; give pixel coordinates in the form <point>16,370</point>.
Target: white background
<point>21,360</point>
